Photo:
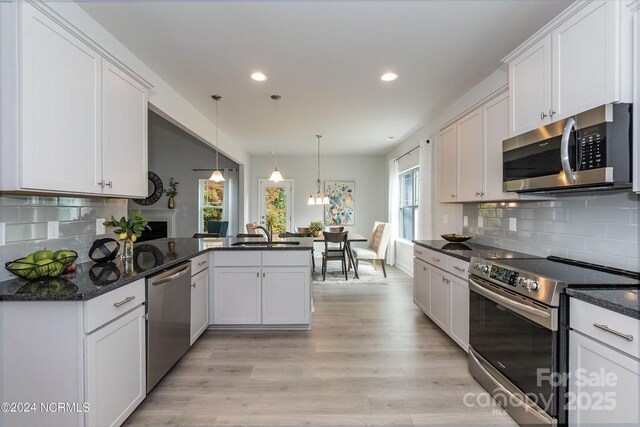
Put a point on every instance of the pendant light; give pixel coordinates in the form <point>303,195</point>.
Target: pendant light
<point>319,199</point>
<point>216,176</point>
<point>276,176</point>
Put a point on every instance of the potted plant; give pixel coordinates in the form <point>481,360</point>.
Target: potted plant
<point>171,193</point>
<point>316,228</point>
<point>128,230</point>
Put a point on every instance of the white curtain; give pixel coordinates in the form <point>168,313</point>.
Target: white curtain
<point>425,227</point>
<point>394,208</point>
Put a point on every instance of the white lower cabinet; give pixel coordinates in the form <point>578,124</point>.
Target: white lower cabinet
<point>237,296</point>
<point>421,284</point>
<point>285,295</point>
<point>440,299</point>
<point>199,304</point>
<point>459,314</point>
<point>115,369</point>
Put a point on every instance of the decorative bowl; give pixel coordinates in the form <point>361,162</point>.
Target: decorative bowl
<point>303,230</point>
<point>456,238</point>
<point>30,271</point>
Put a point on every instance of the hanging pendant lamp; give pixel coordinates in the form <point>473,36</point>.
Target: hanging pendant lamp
<point>276,176</point>
<point>320,198</point>
<point>216,176</point>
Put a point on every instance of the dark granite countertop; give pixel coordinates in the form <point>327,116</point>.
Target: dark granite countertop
<point>465,251</point>
<point>91,280</point>
<point>624,301</point>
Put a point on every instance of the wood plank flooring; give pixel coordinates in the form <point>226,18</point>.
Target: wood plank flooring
<point>371,358</point>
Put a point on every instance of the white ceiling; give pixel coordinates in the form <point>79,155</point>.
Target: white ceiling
<point>325,59</point>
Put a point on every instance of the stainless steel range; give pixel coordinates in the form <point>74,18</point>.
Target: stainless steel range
<point>518,335</point>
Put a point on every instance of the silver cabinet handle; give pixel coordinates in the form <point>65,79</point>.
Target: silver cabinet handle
<point>264,275</point>
<point>564,150</point>
<point>101,184</point>
<point>202,263</point>
<point>543,115</point>
<point>124,301</point>
<point>478,193</point>
<point>551,112</point>
<point>435,259</point>
<point>453,195</point>
<point>258,274</point>
<point>613,331</point>
<point>109,184</point>
<point>193,285</point>
<point>459,268</point>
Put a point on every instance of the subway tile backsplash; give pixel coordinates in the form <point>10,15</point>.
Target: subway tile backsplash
<point>596,227</point>
<point>26,224</point>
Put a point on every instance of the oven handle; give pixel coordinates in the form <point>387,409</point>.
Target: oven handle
<point>564,150</point>
<point>506,301</point>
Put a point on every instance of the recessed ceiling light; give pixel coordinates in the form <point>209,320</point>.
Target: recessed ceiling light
<point>388,77</point>
<point>259,77</point>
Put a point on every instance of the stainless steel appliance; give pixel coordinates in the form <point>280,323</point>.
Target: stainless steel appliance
<point>168,320</point>
<point>589,150</point>
<point>518,336</point>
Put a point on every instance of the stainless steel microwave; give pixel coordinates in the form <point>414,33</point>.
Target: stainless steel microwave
<point>591,150</point>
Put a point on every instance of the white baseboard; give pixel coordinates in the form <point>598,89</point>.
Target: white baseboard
<point>405,268</point>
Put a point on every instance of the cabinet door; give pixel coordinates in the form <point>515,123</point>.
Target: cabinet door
<point>440,299</point>
<point>421,285</point>
<point>530,88</point>
<point>635,150</point>
<point>124,127</point>
<point>448,165</point>
<point>470,185</point>
<point>459,315</point>
<point>115,368</point>
<point>496,130</point>
<point>61,103</point>
<point>593,402</point>
<point>286,295</point>
<point>199,304</point>
<point>580,82</point>
<point>237,296</point>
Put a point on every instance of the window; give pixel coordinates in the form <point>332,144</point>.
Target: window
<point>212,203</point>
<point>409,201</point>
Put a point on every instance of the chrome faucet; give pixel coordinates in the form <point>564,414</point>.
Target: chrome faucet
<point>267,230</point>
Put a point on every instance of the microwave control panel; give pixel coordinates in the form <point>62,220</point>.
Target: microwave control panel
<point>592,152</point>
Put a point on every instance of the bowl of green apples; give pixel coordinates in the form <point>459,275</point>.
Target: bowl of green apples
<point>42,264</point>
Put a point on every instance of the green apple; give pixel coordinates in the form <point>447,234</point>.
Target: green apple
<point>42,255</point>
<point>29,258</point>
<point>63,253</point>
<point>20,266</point>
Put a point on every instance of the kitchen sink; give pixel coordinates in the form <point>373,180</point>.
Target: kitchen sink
<point>265,244</point>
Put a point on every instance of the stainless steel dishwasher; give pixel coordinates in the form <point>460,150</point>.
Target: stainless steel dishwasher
<point>169,320</point>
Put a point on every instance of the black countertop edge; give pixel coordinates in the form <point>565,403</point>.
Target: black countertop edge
<point>465,251</point>
<point>91,280</point>
<point>620,300</point>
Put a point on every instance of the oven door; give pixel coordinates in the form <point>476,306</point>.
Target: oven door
<point>513,352</point>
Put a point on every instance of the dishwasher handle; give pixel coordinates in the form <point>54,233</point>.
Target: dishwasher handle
<point>171,275</point>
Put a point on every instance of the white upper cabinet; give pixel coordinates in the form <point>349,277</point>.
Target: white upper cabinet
<point>530,83</point>
<point>470,147</point>
<point>580,60</point>
<point>635,8</point>
<point>74,122</point>
<point>448,166</point>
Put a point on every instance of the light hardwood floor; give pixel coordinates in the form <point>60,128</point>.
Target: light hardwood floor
<point>371,358</point>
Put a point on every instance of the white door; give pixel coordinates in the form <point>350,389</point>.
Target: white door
<point>579,83</point>
<point>448,165</point>
<point>276,204</point>
<point>286,295</point>
<point>421,285</point>
<point>459,315</point>
<point>440,299</point>
<point>61,108</point>
<point>237,296</point>
<point>124,130</point>
<point>116,369</point>
<point>530,88</point>
<point>614,402</point>
<point>199,304</point>
<point>496,130</point>
<point>470,147</point>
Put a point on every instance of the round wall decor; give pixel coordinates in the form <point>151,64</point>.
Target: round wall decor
<point>155,191</point>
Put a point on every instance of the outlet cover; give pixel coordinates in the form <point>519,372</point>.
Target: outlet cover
<point>465,221</point>
<point>445,219</point>
<point>3,234</point>
<point>53,229</point>
<point>480,222</point>
<point>99,227</point>
<point>513,224</point>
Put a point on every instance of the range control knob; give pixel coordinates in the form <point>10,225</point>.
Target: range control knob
<point>485,269</point>
<point>520,281</point>
<point>532,285</point>
<point>476,266</point>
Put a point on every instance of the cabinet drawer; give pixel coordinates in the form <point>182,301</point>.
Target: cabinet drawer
<point>237,258</point>
<point>459,267</point>
<point>431,257</point>
<point>199,263</point>
<point>584,317</point>
<point>105,308</point>
<point>286,258</point>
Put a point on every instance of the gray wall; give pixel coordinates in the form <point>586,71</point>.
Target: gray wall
<point>175,153</point>
<point>26,224</point>
<point>597,227</point>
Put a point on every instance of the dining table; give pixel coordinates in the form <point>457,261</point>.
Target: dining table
<point>351,237</point>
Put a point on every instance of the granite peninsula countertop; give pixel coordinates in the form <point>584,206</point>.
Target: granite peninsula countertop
<point>623,301</point>
<point>465,251</point>
<point>91,280</point>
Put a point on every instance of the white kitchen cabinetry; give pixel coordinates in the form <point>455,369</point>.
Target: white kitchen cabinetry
<point>285,295</point>
<point>470,149</point>
<point>421,284</point>
<point>440,299</point>
<point>459,322</point>
<point>580,60</point>
<point>448,166</point>
<point>635,8</point>
<point>73,121</point>
<point>237,295</point>
<point>199,304</point>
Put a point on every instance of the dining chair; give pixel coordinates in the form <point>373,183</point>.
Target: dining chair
<point>335,254</point>
<point>377,247</point>
<point>203,235</point>
<point>219,227</point>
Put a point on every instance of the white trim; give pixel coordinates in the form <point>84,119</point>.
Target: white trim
<point>496,93</point>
